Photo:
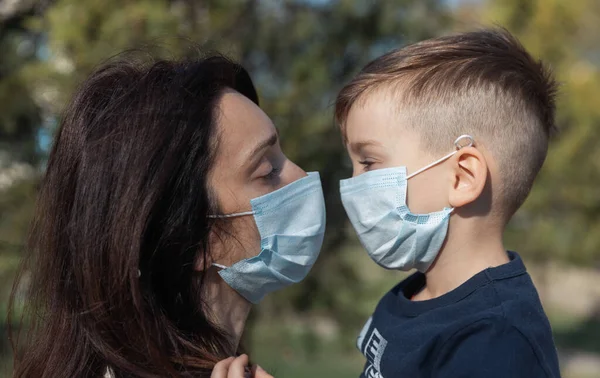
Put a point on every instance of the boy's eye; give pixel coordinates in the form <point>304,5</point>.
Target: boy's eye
<point>366,163</point>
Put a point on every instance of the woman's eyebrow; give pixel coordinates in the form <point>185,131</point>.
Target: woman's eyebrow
<point>270,141</point>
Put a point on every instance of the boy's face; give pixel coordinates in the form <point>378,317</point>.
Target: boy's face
<point>379,136</point>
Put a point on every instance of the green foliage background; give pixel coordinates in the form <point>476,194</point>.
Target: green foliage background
<point>300,53</point>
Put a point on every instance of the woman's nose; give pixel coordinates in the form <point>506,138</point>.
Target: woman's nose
<point>294,172</point>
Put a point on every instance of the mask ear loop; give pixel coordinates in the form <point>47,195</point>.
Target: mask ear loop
<point>220,216</point>
<point>232,215</point>
<point>457,144</point>
<point>469,139</point>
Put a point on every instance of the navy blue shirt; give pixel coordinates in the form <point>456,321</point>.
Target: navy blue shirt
<point>492,326</point>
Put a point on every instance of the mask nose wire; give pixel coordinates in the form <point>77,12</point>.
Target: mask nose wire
<point>457,144</point>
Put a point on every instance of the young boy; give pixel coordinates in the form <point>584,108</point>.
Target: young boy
<point>446,138</point>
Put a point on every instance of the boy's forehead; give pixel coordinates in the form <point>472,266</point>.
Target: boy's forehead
<point>376,117</point>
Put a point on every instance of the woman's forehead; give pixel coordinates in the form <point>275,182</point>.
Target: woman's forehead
<point>242,126</point>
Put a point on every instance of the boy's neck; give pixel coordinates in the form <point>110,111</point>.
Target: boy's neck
<point>461,258</point>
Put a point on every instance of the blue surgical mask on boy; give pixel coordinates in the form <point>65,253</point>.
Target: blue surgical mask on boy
<point>394,237</point>
<point>291,223</point>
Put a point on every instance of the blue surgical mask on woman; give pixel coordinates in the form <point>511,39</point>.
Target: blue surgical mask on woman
<point>291,223</point>
<point>394,237</point>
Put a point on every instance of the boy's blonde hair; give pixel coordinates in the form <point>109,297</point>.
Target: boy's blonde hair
<point>482,83</point>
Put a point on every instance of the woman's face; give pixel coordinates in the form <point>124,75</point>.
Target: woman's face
<point>249,163</point>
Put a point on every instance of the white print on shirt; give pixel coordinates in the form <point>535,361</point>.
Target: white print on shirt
<point>363,333</point>
<point>371,372</point>
<point>373,349</point>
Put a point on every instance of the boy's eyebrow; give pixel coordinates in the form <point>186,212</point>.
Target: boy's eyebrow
<point>356,147</point>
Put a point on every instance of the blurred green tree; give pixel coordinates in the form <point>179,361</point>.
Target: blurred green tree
<point>19,115</point>
<point>20,118</point>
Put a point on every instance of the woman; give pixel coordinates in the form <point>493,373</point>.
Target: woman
<point>167,208</point>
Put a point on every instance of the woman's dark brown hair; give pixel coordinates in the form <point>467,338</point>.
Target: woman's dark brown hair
<point>122,218</point>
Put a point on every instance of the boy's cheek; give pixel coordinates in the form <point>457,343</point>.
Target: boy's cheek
<point>426,195</point>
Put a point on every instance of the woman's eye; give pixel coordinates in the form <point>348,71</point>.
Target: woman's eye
<point>274,173</point>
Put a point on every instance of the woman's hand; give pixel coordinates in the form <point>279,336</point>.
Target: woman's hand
<point>233,367</point>
<point>258,372</point>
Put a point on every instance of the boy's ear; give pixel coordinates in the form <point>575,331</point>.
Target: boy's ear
<point>469,176</point>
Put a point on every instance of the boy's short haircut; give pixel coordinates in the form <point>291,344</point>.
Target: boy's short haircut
<point>482,83</point>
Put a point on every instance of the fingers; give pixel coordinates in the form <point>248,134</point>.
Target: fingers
<point>258,372</point>
<point>221,368</point>
<point>236,369</point>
